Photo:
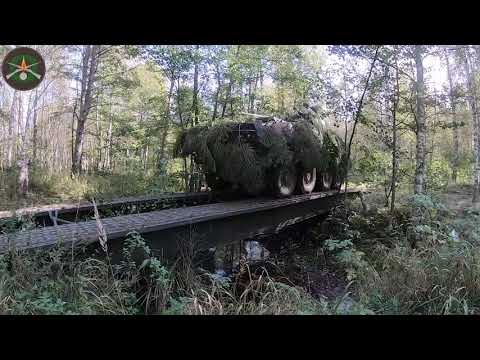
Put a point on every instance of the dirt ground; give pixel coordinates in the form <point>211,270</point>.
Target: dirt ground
<point>459,198</point>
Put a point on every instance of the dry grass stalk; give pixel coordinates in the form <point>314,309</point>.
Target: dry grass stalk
<point>102,234</point>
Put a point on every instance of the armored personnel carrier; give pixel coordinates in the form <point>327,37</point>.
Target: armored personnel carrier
<point>267,155</point>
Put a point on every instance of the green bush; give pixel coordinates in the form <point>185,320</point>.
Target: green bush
<point>52,282</point>
<point>374,166</point>
<point>438,174</point>
<point>441,275</point>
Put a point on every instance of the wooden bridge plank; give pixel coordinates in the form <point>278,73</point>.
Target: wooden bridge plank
<point>86,205</point>
<point>119,226</point>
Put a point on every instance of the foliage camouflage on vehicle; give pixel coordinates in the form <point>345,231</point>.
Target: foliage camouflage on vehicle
<point>246,165</point>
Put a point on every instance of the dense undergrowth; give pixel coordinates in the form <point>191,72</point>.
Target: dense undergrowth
<point>427,263</point>
<point>55,282</point>
<point>423,262</point>
<point>46,188</point>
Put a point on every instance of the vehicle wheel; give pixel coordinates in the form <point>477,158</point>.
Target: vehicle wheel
<point>326,180</point>
<point>285,181</point>
<point>215,183</point>
<point>307,181</point>
<point>337,183</point>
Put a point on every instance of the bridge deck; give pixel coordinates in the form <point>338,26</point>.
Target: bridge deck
<point>88,206</point>
<point>120,226</point>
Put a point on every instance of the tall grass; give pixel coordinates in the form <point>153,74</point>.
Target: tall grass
<point>48,187</point>
<point>439,275</point>
<point>387,273</point>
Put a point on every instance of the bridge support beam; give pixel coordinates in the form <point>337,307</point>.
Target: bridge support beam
<point>204,235</point>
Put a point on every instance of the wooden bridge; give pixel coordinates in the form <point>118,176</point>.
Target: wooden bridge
<point>65,213</point>
<point>209,224</point>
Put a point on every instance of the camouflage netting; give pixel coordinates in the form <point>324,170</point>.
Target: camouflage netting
<point>334,145</point>
<point>222,152</point>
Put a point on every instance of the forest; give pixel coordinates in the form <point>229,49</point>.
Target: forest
<point>104,122</point>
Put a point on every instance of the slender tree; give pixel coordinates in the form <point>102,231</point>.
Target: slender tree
<point>453,109</point>
<point>90,59</point>
<point>472,100</point>
<point>421,125</point>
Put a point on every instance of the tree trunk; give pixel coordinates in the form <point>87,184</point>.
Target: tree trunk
<point>396,99</point>
<point>453,108</point>
<point>472,100</point>
<point>421,128</point>
<point>217,93</point>
<point>78,147</point>
<point>195,88</point>
<point>215,106</point>
<point>89,68</point>
<point>24,161</point>
<point>476,191</point>
<point>99,145</point>
<point>163,141</point>
<point>185,173</point>
<point>35,132</point>
<point>183,125</point>
<point>145,161</point>
<point>228,97</point>
<point>356,119</point>
<point>72,148</point>
<point>23,165</point>
<point>432,129</point>
<point>191,186</point>
<point>249,102</point>
<point>193,165</point>
<point>107,158</point>
<point>12,136</point>
<point>252,96</point>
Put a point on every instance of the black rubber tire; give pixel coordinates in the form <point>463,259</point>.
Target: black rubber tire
<point>284,182</point>
<point>337,182</point>
<point>215,183</point>
<point>326,180</point>
<point>307,180</point>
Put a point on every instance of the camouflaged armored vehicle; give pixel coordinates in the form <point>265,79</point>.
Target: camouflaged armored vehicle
<point>267,155</point>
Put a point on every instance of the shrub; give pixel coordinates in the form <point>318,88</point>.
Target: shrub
<point>440,276</point>
<point>438,174</point>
